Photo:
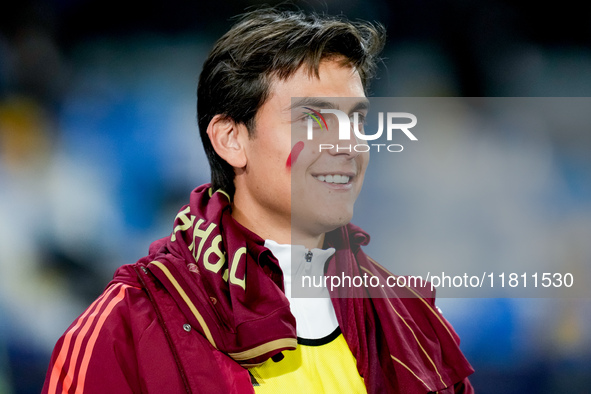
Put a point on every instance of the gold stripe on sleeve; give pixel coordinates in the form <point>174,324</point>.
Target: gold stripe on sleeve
<point>410,370</point>
<point>264,348</point>
<point>413,334</point>
<point>185,297</point>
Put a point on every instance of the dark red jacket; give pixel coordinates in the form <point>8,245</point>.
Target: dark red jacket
<point>174,322</point>
<point>134,338</point>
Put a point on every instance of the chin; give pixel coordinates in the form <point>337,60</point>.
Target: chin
<point>334,222</point>
<point>321,223</point>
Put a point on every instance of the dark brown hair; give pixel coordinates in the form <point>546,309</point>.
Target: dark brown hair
<point>266,44</point>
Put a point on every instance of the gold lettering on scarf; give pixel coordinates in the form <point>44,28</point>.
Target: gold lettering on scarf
<point>187,222</point>
<point>214,248</point>
<point>235,261</point>
<point>202,235</point>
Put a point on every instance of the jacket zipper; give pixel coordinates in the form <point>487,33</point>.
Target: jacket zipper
<point>163,325</point>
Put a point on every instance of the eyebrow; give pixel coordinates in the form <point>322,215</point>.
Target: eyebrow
<point>362,104</point>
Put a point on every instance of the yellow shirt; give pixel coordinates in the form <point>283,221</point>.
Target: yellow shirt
<point>323,365</point>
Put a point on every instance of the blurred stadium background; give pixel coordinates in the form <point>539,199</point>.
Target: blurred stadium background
<point>99,148</point>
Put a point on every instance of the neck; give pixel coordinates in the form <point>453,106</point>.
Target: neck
<point>310,242</point>
<point>279,231</point>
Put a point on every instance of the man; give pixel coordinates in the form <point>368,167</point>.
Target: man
<point>210,308</point>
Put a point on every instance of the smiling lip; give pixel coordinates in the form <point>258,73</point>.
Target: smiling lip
<point>336,179</point>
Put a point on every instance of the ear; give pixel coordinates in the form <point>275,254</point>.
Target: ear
<point>226,136</point>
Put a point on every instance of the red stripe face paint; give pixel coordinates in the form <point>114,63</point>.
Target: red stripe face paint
<point>293,155</point>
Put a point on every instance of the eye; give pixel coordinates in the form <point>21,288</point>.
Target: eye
<point>312,119</point>
<point>305,117</point>
<point>300,115</point>
<point>358,122</point>
<point>358,118</point>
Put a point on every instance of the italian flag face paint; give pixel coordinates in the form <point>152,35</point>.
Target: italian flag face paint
<point>293,155</point>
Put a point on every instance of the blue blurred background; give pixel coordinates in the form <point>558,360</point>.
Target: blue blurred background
<point>99,148</point>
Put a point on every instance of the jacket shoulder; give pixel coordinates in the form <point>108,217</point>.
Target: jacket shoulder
<point>102,342</point>
<point>405,286</point>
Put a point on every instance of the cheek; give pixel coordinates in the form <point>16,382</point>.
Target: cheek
<point>293,155</point>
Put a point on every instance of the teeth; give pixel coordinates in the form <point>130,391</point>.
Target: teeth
<point>333,178</point>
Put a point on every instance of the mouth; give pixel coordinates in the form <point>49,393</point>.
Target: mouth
<point>335,178</point>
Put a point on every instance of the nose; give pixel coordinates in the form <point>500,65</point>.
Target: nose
<point>344,142</point>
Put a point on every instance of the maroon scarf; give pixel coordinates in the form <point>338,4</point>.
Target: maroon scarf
<point>400,340</point>
<point>230,287</point>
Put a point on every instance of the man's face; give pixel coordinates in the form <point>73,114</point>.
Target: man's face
<point>300,192</point>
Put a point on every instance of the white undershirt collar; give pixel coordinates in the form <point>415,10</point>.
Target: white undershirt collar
<point>315,317</point>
